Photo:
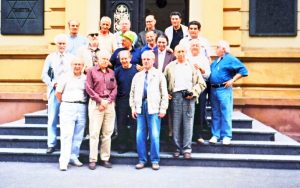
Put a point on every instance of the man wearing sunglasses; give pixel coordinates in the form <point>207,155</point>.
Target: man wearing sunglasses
<point>88,53</point>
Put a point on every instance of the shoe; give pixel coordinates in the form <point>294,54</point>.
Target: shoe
<point>140,166</point>
<point>92,165</point>
<point>187,155</point>
<point>106,164</point>
<point>176,154</point>
<point>226,141</point>
<point>200,141</point>
<point>76,162</point>
<point>50,150</point>
<point>213,140</point>
<point>155,166</point>
<point>63,167</point>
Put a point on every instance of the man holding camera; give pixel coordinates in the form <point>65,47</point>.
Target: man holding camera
<point>185,84</point>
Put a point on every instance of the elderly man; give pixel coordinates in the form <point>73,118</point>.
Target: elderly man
<point>56,64</point>
<point>151,42</point>
<point>225,70</point>
<point>73,110</point>
<point>124,75</point>
<point>176,31</point>
<point>184,85</point>
<point>89,53</point>
<point>201,63</point>
<point>107,41</point>
<point>194,28</point>
<point>150,26</point>
<point>125,25</point>
<point>127,43</point>
<point>101,86</point>
<point>148,102</point>
<point>75,41</point>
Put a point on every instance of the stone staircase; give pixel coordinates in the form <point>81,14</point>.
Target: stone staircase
<point>254,145</point>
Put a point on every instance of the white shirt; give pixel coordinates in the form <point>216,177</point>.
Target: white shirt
<point>161,59</point>
<point>205,47</point>
<point>184,77</point>
<point>72,87</point>
<point>202,61</point>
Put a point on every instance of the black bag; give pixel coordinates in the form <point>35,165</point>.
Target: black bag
<point>51,73</point>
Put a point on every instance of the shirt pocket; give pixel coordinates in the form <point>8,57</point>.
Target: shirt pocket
<point>110,83</point>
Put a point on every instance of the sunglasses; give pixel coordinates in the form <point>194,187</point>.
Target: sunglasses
<point>93,34</point>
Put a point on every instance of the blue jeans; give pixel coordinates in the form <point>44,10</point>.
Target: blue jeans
<point>53,111</point>
<point>222,107</point>
<point>148,124</point>
<point>72,124</point>
<point>183,119</point>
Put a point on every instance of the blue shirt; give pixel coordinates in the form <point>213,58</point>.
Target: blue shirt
<point>146,48</point>
<point>124,78</point>
<point>135,59</point>
<point>226,69</point>
<point>74,43</point>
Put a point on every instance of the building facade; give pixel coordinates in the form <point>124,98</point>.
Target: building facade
<point>271,92</point>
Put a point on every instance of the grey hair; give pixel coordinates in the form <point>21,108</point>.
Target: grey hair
<point>224,44</point>
<point>60,37</point>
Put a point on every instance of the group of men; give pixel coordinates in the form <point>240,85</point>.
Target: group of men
<point>107,80</point>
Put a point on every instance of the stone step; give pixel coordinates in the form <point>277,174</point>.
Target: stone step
<point>41,130</point>
<point>239,120</point>
<point>198,159</point>
<point>236,147</point>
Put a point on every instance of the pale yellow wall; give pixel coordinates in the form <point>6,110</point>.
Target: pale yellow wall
<point>210,15</point>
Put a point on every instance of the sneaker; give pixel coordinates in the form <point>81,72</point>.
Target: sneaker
<point>213,140</point>
<point>226,141</point>
<point>200,141</point>
<point>155,166</point>
<point>63,167</point>
<point>140,166</point>
<point>76,162</point>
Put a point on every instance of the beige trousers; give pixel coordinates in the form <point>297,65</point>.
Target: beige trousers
<point>101,122</point>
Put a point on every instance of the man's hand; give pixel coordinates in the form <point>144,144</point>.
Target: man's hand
<point>104,102</point>
<point>101,108</point>
<point>58,96</point>
<point>134,115</point>
<point>170,97</point>
<point>161,115</point>
<point>229,83</point>
<point>189,97</point>
<point>139,67</point>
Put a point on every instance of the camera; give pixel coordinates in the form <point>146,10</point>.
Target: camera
<point>186,93</point>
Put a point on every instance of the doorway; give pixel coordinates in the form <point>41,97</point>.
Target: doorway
<point>161,9</point>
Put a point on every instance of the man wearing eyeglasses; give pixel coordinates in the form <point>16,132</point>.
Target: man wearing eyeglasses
<point>150,26</point>
<point>75,41</point>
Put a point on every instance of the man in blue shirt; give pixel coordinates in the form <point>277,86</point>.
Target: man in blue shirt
<point>127,43</point>
<point>225,70</point>
<point>124,75</point>
<point>75,41</point>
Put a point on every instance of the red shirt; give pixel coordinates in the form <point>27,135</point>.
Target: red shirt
<point>100,85</point>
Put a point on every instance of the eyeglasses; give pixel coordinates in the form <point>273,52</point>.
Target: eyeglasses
<point>93,34</point>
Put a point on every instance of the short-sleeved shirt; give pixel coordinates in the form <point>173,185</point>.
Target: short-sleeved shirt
<point>225,68</point>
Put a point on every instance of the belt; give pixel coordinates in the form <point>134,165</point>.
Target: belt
<point>217,85</point>
<point>80,102</point>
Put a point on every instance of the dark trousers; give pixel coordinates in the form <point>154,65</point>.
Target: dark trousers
<point>125,124</point>
<point>200,120</point>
